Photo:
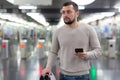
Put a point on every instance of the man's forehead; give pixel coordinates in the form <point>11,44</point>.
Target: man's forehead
<point>69,7</point>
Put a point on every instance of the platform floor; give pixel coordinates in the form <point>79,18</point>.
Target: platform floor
<point>29,69</point>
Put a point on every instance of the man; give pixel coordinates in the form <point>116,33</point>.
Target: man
<point>66,39</point>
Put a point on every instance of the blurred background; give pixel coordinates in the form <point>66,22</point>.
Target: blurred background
<point>26,28</point>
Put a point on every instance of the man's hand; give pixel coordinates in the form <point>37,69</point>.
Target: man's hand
<point>47,71</point>
<point>81,55</point>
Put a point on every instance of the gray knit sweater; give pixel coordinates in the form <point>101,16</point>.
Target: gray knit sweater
<point>64,42</point>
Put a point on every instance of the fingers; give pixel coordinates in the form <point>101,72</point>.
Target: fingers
<point>46,74</point>
<point>46,71</point>
<point>49,73</point>
<point>81,55</point>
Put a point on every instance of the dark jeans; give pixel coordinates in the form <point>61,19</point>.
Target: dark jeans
<point>81,77</point>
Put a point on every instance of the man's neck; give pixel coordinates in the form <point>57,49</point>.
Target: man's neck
<point>73,25</point>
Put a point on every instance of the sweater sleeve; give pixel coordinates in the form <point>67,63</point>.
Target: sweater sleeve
<point>54,50</point>
<point>94,44</point>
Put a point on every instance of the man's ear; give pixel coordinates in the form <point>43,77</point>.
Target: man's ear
<point>77,13</point>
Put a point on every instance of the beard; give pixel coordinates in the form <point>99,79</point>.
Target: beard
<point>69,22</point>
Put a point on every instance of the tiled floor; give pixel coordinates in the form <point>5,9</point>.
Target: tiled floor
<point>107,69</point>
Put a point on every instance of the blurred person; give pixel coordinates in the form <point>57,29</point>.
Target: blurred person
<point>72,35</point>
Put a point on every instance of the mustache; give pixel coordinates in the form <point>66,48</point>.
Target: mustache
<point>66,17</point>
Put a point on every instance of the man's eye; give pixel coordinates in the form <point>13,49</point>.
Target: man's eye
<point>63,12</point>
<point>68,11</point>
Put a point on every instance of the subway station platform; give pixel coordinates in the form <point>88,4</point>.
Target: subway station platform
<point>25,61</point>
<point>30,69</point>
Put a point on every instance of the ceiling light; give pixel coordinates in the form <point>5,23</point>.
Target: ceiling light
<point>39,18</point>
<point>27,7</point>
<point>11,1</point>
<point>117,7</point>
<point>81,7</point>
<point>97,16</point>
<point>83,2</point>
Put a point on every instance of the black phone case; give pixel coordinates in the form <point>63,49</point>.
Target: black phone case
<point>78,50</point>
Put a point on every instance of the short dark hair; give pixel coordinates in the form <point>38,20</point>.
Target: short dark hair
<point>75,6</point>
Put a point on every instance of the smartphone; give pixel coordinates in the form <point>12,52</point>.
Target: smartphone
<point>78,50</point>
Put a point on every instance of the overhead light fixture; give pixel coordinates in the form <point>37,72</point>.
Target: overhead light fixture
<point>13,18</point>
<point>81,7</point>
<point>39,18</point>
<point>27,7</point>
<point>83,2</point>
<point>97,16</point>
<point>117,7</point>
<point>33,2</point>
<point>11,1</point>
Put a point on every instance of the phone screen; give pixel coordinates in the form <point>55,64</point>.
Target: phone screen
<point>78,50</point>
